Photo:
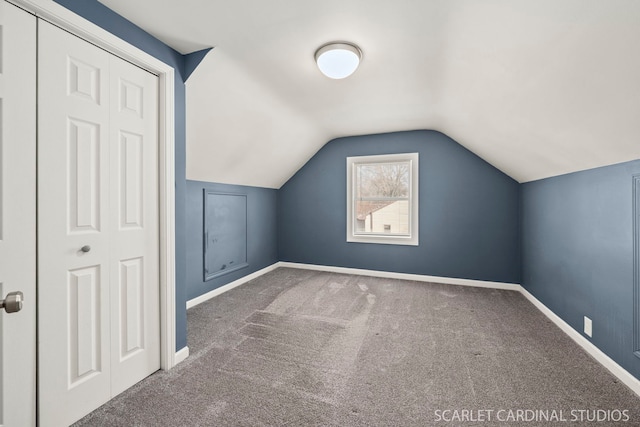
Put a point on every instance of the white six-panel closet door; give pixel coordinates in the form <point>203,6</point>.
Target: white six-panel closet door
<point>97,226</point>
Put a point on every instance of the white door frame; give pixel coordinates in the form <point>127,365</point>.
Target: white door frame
<point>68,20</point>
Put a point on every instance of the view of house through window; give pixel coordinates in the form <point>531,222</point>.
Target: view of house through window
<point>383,198</point>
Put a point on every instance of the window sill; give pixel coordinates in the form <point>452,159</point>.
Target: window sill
<point>384,240</point>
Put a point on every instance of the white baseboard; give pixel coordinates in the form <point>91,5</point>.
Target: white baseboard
<point>622,374</point>
<point>180,355</point>
<point>404,276</point>
<point>222,289</point>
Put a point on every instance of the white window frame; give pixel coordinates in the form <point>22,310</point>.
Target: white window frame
<point>381,238</point>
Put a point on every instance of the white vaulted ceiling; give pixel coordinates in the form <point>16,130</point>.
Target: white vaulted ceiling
<point>537,88</point>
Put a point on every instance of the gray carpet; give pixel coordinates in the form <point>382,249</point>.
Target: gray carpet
<point>304,348</point>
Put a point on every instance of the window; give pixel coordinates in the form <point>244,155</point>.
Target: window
<point>382,199</point>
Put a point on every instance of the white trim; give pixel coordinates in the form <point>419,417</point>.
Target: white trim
<point>166,140</point>
<point>214,293</point>
<point>181,355</point>
<point>405,276</point>
<point>622,374</point>
<point>68,20</point>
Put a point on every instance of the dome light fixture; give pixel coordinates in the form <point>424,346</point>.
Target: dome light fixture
<point>338,60</point>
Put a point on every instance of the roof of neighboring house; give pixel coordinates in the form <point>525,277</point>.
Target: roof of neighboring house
<point>364,208</point>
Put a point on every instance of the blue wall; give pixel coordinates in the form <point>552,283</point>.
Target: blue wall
<point>117,25</point>
<point>262,245</point>
<point>469,224</point>
<point>577,253</point>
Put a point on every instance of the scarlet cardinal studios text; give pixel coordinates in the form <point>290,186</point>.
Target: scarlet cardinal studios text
<point>531,415</point>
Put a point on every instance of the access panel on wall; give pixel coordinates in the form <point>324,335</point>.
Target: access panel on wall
<point>225,233</point>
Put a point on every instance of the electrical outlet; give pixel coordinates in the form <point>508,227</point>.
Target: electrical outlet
<point>588,327</point>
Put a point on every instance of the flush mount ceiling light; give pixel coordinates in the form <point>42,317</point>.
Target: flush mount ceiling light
<point>338,60</point>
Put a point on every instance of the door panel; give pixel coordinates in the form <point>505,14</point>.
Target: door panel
<point>73,185</point>
<point>17,214</point>
<point>131,170</point>
<point>98,226</point>
<point>84,150</point>
<point>84,324</point>
<point>131,319</point>
<point>135,324</point>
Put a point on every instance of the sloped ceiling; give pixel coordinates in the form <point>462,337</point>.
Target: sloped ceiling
<point>537,88</point>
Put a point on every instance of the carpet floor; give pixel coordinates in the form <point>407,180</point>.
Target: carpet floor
<point>306,348</point>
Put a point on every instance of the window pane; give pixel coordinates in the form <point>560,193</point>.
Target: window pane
<point>382,180</point>
<point>381,191</point>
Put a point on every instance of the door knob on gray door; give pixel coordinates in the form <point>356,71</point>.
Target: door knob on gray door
<point>85,248</point>
<point>13,302</point>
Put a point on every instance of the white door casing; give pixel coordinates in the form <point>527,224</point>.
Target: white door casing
<point>18,214</point>
<point>21,380</point>
<point>64,18</point>
<point>98,279</point>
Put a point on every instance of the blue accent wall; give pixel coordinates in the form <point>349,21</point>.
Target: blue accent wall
<point>469,214</point>
<point>577,253</point>
<point>262,244</point>
<point>107,19</point>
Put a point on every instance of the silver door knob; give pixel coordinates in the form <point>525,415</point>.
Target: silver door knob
<point>85,248</point>
<point>13,302</point>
